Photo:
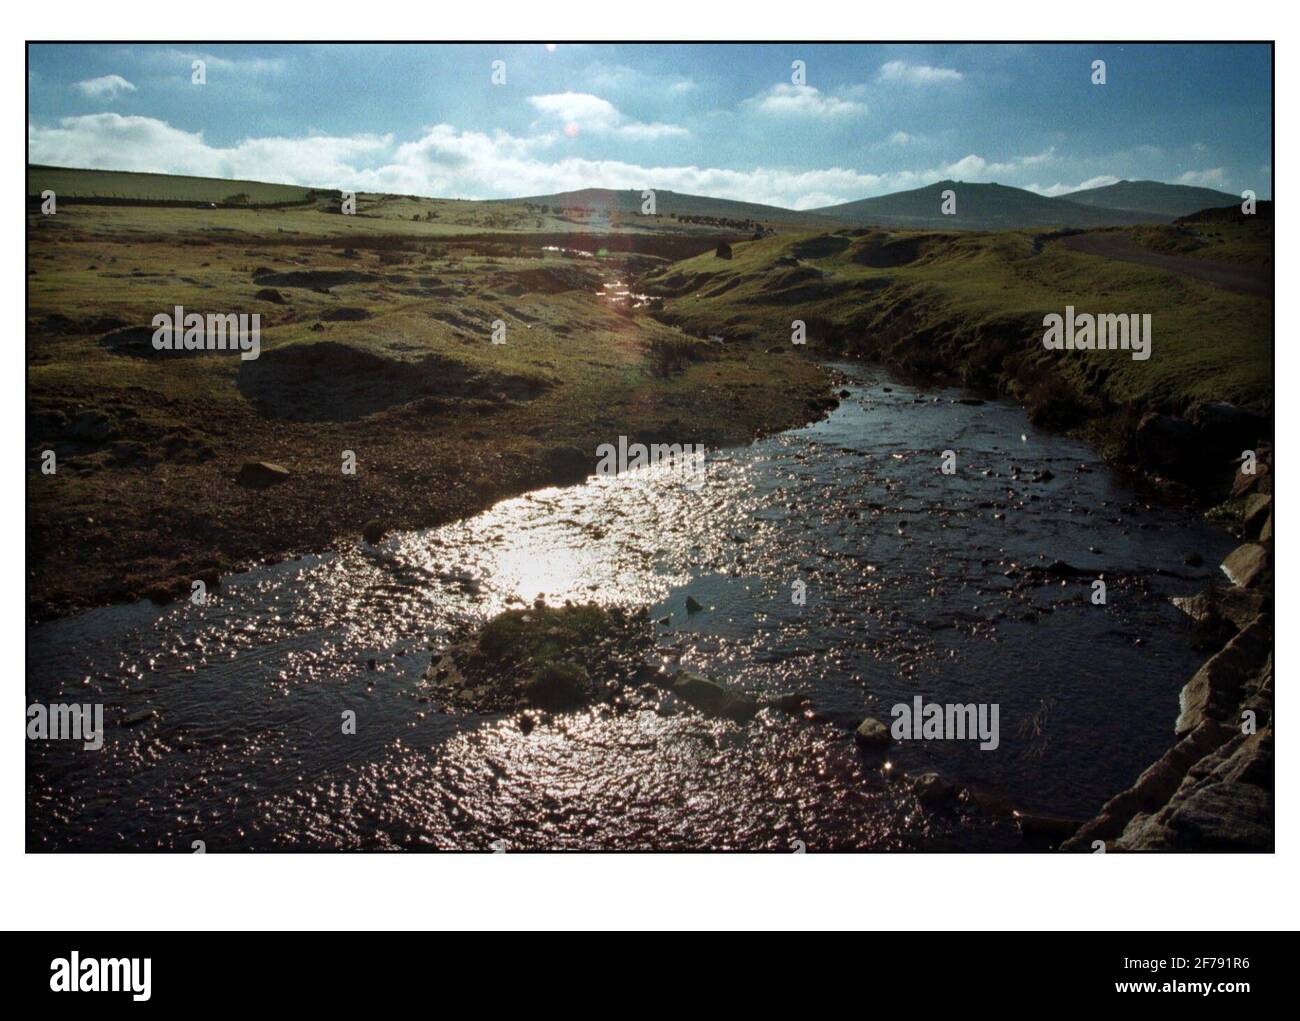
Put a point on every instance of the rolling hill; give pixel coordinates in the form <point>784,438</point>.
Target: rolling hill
<point>127,187</point>
<point>670,203</point>
<point>1154,197</point>
<point>980,207</point>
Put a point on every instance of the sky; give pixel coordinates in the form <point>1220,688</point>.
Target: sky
<point>731,121</point>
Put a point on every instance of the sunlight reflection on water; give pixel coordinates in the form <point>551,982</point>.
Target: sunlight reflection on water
<point>225,719</point>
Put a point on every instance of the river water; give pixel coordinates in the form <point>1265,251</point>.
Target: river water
<point>223,722</point>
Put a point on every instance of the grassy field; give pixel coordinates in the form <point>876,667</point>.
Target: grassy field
<point>92,185</point>
<point>133,206</point>
<point>970,306</point>
<point>376,339</point>
<point>1242,244</point>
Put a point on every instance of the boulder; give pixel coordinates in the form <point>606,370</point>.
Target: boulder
<point>1258,480</point>
<point>1248,565</point>
<point>1168,446</point>
<point>1258,508</point>
<point>1235,606</point>
<point>1216,689</point>
<point>1222,816</point>
<point>1046,827</point>
<point>261,474</point>
<point>872,734</point>
<point>933,789</point>
<point>1153,788</point>
<point>566,464</point>
<point>713,699</point>
<point>1226,429</point>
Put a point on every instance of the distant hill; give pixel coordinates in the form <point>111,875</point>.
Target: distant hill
<point>1155,197</point>
<point>669,203</point>
<point>980,207</point>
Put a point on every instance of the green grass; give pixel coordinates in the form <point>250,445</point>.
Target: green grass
<point>543,636</point>
<point>970,306</point>
<point>444,422</point>
<point>72,184</point>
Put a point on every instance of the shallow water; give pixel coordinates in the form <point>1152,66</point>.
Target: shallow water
<point>223,722</point>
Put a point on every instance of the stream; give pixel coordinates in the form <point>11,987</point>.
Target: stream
<point>223,721</point>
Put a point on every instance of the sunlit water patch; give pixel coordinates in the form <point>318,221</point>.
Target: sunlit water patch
<point>224,721</point>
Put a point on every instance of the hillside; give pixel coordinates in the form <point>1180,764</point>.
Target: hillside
<point>671,203</point>
<point>126,187</point>
<point>978,207</point>
<point>1154,197</point>
<point>970,307</point>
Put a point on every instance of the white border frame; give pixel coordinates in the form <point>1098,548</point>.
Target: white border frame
<point>924,892</point>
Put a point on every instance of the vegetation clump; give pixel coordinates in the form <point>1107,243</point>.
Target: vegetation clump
<point>553,658</point>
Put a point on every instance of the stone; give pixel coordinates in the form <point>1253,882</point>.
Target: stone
<point>566,464</point>
<point>1046,827</point>
<point>933,789</point>
<point>1258,508</point>
<point>261,474</point>
<point>1235,605</point>
<point>1226,816</point>
<point>1226,429</point>
<point>714,699</point>
<point>1215,690</point>
<point>1168,445</point>
<point>1248,565</point>
<point>872,734</point>
<point>1243,483</point>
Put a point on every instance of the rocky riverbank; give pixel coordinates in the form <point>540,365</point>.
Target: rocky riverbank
<point>1213,789</point>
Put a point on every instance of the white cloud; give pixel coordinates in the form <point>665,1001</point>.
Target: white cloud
<point>974,166</point>
<point>583,112</point>
<point>1051,191</point>
<point>106,87</point>
<point>183,59</point>
<point>451,163</point>
<point>1216,177</point>
<point>110,141</point>
<point>444,162</point>
<point>917,74</point>
<point>803,101</point>
<point>900,138</point>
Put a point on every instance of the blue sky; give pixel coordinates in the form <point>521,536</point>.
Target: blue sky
<point>710,119</point>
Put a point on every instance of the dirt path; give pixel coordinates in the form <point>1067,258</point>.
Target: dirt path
<point>1241,279</point>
